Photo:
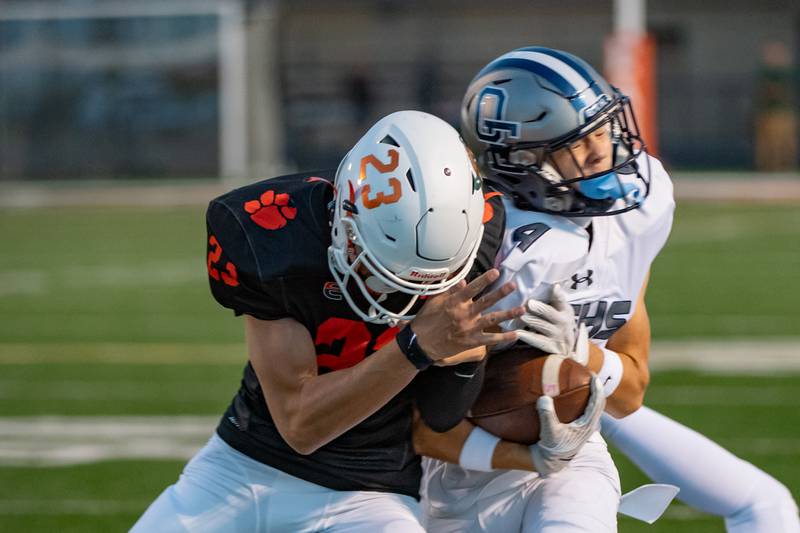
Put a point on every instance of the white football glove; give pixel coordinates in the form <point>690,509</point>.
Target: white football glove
<point>559,442</point>
<point>551,327</point>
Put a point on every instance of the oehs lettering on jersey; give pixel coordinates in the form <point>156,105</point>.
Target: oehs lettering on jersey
<point>601,319</point>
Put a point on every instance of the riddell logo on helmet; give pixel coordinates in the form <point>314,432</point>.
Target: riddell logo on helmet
<point>427,276</point>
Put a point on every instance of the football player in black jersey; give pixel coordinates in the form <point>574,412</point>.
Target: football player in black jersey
<point>356,311</point>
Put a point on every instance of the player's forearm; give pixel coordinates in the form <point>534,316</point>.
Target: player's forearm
<point>512,456</point>
<point>628,395</point>
<point>327,405</point>
<point>447,447</point>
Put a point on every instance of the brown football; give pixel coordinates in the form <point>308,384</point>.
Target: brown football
<point>506,405</point>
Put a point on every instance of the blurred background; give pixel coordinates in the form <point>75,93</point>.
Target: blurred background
<point>197,88</point>
<point>120,120</point>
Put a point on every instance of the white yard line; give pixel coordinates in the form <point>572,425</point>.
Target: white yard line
<point>62,440</point>
<point>742,356</point>
<point>54,278</point>
<point>164,353</point>
<point>722,396</point>
<point>109,194</point>
<point>52,440</point>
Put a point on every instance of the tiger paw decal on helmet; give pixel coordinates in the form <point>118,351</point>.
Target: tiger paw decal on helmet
<point>271,211</point>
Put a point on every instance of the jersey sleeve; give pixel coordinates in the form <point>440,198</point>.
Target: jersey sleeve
<point>233,270</point>
<point>660,208</point>
<point>646,230</point>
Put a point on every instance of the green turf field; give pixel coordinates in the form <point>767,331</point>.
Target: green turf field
<point>106,312</point>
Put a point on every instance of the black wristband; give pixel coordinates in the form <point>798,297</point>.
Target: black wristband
<point>407,341</point>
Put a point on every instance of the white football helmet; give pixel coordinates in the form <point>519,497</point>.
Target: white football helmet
<point>407,214</point>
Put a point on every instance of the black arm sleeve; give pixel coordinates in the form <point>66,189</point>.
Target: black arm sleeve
<point>445,394</point>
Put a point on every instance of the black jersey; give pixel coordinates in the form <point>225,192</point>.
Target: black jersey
<point>267,257</point>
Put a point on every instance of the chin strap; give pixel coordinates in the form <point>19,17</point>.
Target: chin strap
<point>648,502</point>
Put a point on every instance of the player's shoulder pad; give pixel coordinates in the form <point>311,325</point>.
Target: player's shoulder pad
<point>547,246</point>
<point>265,231</point>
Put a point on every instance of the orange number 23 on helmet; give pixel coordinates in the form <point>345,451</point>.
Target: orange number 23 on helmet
<point>383,168</point>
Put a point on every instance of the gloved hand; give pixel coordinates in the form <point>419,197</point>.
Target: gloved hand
<point>559,442</point>
<point>551,327</point>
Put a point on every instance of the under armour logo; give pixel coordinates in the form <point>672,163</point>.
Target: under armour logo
<point>577,281</point>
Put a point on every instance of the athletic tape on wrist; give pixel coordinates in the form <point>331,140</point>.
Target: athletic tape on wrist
<point>611,373</point>
<point>478,449</point>
<point>550,373</point>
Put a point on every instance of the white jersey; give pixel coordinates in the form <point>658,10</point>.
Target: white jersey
<point>602,272</point>
<point>602,275</point>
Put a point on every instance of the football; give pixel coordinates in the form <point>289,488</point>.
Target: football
<point>515,379</point>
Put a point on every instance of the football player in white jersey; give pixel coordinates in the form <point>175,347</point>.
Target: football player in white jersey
<point>587,212</point>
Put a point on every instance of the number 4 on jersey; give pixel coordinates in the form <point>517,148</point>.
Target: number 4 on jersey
<point>528,234</point>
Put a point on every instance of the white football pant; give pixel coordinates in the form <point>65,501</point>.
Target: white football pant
<point>582,498</point>
<point>711,478</point>
<point>223,490</point>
